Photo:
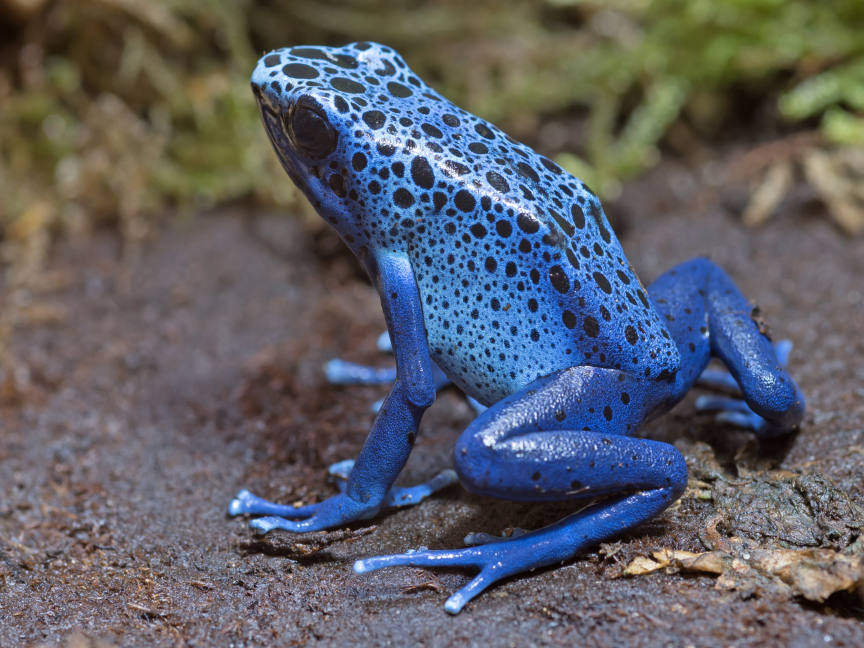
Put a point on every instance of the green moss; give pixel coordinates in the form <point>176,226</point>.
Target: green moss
<point>126,108</point>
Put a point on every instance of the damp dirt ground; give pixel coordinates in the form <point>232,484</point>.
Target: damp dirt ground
<point>129,425</point>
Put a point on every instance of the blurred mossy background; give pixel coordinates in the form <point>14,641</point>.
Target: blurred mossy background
<point>121,111</point>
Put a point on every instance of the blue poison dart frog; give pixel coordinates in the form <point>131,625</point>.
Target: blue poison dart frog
<point>498,271</point>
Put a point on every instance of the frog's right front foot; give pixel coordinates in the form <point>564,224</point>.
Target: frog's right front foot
<point>335,511</point>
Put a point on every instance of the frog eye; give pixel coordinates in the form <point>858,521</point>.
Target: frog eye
<point>310,132</point>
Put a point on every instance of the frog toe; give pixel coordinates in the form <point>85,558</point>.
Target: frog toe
<point>732,411</point>
<point>415,494</point>
<point>476,539</point>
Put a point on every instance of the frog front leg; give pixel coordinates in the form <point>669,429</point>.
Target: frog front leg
<point>395,428</point>
<point>560,438</point>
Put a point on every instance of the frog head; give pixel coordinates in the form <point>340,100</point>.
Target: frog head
<point>324,110</point>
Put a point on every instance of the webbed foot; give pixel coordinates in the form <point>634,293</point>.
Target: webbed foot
<point>335,511</point>
<point>735,411</point>
<point>731,410</point>
<point>496,560</point>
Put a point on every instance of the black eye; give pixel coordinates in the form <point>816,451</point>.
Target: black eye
<point>310,132</point>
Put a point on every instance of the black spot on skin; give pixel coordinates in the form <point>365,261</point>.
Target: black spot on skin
<point>575,485</point>
<point>455,169</point>
<point>532,305</point>
<point>625,397</point>
<point>526,171</point>
<point>623,277</point>
<point>491,264</point>
<point>374,118</point>
<point>559,279</point>
<point>603,282</point>
<point>385,149</point>
<point>569,230</point>
<point>341,105</point>
<point>398,169</point>
<point>421,173</point>
<point>497,182</point>
<point>300,71</point>
<point>535,335</point>
<point>403,198</point>
<point>431,131</point>
<point>484,131</point>
<point>527,223</point>
<point>597,215</point>
<point>535,276</point>
<point>691,346</point>
<point>569,319</point>
<point>631,335</point>
<point>450,228</point>
<point>273,60</point>
<point>573,259</point>
<point>607,413</point>
<point>503,228</point>
<point>510,269</point>
<point>578,216</point>
<point>560,415</point>
<point>309,53</point>
<point>451,120</point>
<point>591,327</point>
<point>439,200</point>
<point>549,164</point>
<point>411,438</point>
<point>605,314</point>
<point>337,184</point>
<point>387,70</point>
<point>478,147</point>
<point>346,62</point>
<point>341,60</point>
<point>554,238</point>
<point>347,85</point>
<point>399,90</point>
<point>478,230</point>
<point>535,476</point>
<point>464,201</point>
<point>525,246</point>
<point>642,298</point>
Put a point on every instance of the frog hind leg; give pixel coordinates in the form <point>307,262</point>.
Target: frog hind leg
<point>707,315</point>
<point>563,437</point>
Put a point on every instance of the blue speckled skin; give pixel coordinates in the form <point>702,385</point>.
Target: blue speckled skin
<point>500,267</point>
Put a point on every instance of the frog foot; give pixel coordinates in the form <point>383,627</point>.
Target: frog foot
<point>496,559</point>
<point>477,539</point>
<point>722,379</point>
<point>336,510</point>
<point>732,411</point>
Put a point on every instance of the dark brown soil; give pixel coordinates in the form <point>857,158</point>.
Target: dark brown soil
<point>128,427</point>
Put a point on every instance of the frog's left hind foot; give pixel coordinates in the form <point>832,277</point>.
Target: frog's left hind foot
<point>246,502</point>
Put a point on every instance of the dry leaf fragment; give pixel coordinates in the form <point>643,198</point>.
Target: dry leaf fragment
<point>814,574</point>
<point>837,176</point>
<point>769,194</point>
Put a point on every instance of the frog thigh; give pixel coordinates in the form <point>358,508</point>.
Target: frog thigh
<point>566,436</point>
